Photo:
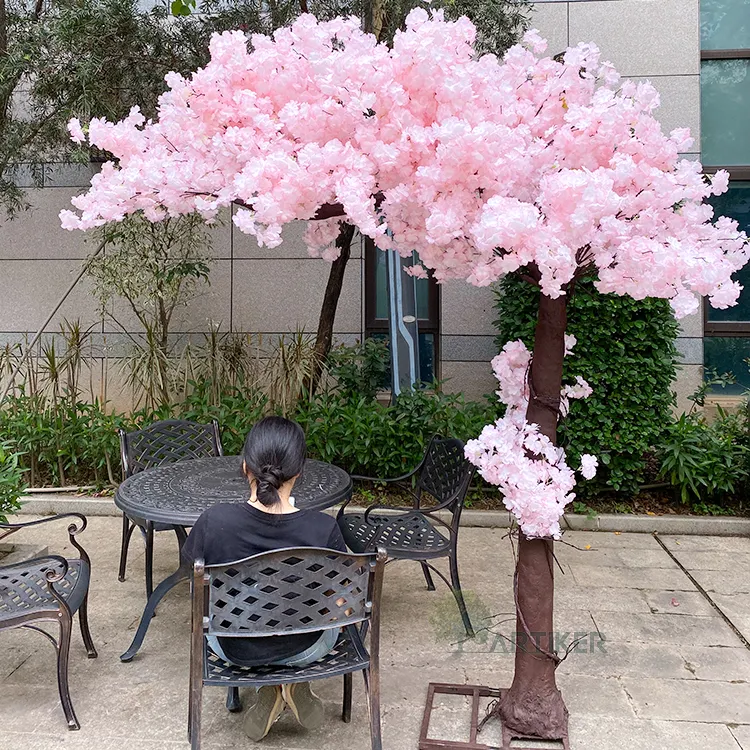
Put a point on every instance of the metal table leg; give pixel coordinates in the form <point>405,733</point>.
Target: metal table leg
<point>181,574</point>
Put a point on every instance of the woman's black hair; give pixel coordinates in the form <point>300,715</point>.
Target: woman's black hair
<point>274,452</point>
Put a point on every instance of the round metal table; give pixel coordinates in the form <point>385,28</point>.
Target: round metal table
<point>176,494</point>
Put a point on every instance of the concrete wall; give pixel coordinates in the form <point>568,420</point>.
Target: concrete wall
<point>275,291</point>
<point>252,289</point>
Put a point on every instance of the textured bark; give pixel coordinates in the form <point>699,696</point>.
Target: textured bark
<point>533,707</point>
<point>374,16</point>
<point>324,337</point>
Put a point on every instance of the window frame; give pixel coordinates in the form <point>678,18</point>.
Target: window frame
<point>737,173</point>
<point>374,325</point>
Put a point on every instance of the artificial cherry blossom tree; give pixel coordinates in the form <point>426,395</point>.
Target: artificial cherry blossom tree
<point>547,167</point>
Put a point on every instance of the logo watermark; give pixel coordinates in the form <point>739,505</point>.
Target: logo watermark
<point>496,633</point>
<point>562,642</point>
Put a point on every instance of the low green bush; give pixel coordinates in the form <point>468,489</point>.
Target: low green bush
<point>11,480</point>
<point>360,370</point>
<point>706,460</point>
<point>365,437</point>
<point>61,443</point>
<point>76,442</point>
<point>626,351</point>
<point>236,412</point>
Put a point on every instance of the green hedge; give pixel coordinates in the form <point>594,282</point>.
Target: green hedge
<point>76,442</point>
<point>626,351</point>
<point>11,480</point>
<point>365,437</point>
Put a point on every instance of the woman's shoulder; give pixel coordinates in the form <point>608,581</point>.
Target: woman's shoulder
<point>317,517</point>
<point>223,510</point>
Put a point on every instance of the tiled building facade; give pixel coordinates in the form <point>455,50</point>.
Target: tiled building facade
<point>276,291</point>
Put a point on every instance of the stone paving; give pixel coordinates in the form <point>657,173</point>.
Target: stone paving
<point>670,673</point>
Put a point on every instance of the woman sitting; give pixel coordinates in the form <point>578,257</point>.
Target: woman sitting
<point>273,457</point>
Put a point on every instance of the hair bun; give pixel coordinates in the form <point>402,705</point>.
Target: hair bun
<point>274,453</point>
<point>271,475</point>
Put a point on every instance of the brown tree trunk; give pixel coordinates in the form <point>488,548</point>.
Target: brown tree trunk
<point>324,337</point>
<point>533,707</point>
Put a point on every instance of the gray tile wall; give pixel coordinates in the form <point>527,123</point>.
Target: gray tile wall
<point>252,289</point>
<point>275,290</point>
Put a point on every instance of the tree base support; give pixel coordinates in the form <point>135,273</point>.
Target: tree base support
<point>477,692</point>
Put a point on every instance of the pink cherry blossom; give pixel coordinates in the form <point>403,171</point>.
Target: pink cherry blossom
<point>589,465</point>
<point>570,342</point>
<point>530,471</point>
<point>417,271</point>
<point>76,131</point>
<point>482,166</point>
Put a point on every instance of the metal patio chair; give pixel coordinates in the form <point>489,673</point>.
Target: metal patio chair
<point>416,533</point>
<point>285,592</point>
<point>161,443</point>
<point>49,588</point>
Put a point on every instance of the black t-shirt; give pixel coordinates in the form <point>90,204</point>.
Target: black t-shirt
<point>233,531</point>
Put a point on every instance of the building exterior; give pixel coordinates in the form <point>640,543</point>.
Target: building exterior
<point>277,291</point>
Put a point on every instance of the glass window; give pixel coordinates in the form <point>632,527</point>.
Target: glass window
<point>381,290</point>
<point>724,354</point>
<point>725,24</point>
<point>427,364</point>
<point>725,112</point>
<point>735,203</point>
<point>376,311</point>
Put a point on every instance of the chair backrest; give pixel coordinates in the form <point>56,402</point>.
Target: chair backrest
<point>166,442</point>
<point>445,473</point>
<point>287,591</point>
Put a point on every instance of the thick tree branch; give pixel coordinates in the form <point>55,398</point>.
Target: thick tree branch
<point>324,337</point>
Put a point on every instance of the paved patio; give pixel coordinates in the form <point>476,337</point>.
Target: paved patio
<point>670,674</point>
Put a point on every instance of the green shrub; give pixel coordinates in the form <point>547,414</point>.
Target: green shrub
<point>77,442</point>
<point>626,352</point>
<point>71,442</point>
<point>705,460</point>
<point>365,437</point>
<point>361,369</point>
<point>11,480</point>
<point>236,412</point>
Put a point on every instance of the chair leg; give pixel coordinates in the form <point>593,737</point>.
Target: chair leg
<point>149,558</point>
<point>428,577</point>
<point>63,653</point>
<point>373,698</point>
<point>194,711</point>
<point>127,532</point>
<point>456,586</point>
<point>194,727</point>
<point>181,539</point>
<point>83,621</point>
<point>234,704</point>
<point>346,711</point>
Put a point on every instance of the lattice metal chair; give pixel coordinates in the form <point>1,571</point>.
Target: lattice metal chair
<point>416,533</point>
<point>49,589</point>
<point>288,591</point>
<point>161,443</point>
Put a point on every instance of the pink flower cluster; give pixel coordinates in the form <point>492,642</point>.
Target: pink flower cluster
<point>481,165</point>
<point>535,481</point>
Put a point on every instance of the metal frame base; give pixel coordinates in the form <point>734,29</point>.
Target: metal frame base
<point>476,692</point>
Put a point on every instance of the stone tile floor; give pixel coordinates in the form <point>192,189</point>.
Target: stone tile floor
<point>670,673</point>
